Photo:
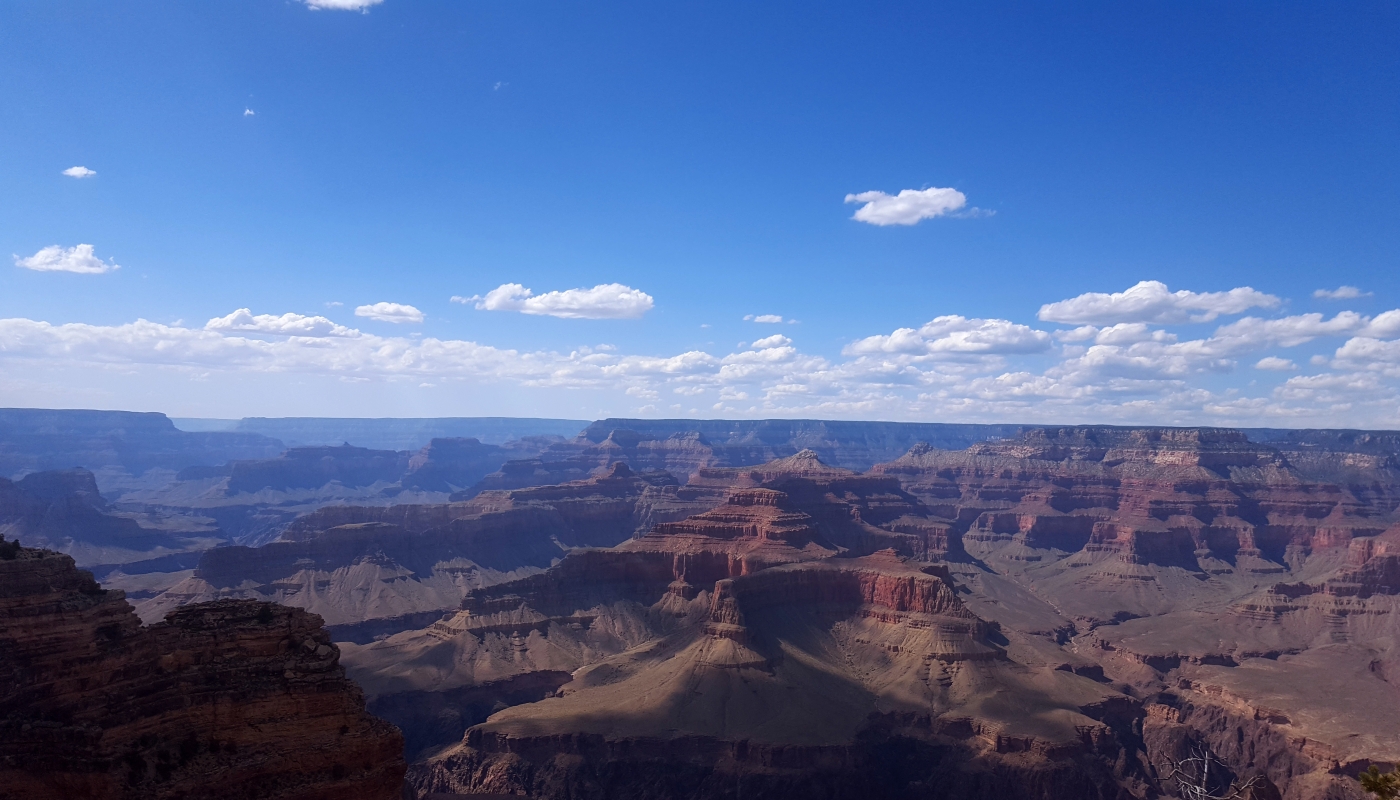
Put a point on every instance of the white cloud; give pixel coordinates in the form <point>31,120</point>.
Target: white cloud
<point>1275,364</point>
<point>1253,333</point>
<point>907,207</point>
<point>79,172</point>
<point>956,335</point>
<point>1151,301</point>
<point>1363,352</point>
<point>1081,334</point>
<point>604,301</point>
<point>248,112</point>
<point>1130,333</point>
<point>776,340</point>
<point>1385,325</point>
<point>286,325</point>
<point>1340,293</point>
<point>952,368</point>
<point>73,259</point>
<point>342,5</point>
<point>771,319</point>
<point>390,312</point>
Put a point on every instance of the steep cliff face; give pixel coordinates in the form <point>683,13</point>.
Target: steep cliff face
<point>235,699</point>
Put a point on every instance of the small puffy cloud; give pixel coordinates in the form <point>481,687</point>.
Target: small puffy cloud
<point>54,258</point>
<point>390,312</point>
<point>956,335</point>
<point>1151,301</point>
<point>776,340</point>
<point>907,207</point>
<point>604,301</point>
<point>1340,293</point>
<point>248,112</point>
<point>341,5</point>
<point>771,319</point>
<point>1275,364</point>
<point>243,320</point>
<point>79,172</point>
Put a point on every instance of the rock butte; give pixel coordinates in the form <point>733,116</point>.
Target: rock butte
<point>232,699</point>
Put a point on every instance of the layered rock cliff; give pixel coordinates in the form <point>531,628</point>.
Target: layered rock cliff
<point>371,565</point>
<point>234,699</point>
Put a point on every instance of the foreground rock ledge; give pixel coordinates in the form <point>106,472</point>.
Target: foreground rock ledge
<point>230,699</point>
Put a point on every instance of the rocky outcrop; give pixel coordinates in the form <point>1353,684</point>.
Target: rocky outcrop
<point>235,699</point>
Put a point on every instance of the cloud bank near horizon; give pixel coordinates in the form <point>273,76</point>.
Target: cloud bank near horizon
<point>1138,356</point>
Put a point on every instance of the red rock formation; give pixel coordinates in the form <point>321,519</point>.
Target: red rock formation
<point>1204,500</point>
<point>234,699</point>
<point>806,675</point>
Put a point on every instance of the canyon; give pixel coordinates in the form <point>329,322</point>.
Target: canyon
<point>707,609</point>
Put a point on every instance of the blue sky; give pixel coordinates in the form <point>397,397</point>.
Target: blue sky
<point>697,159</point>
